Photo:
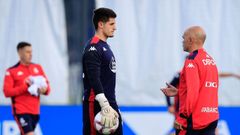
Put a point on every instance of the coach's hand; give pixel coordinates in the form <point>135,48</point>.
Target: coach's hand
<point>109,115</point>
<point>178,126</point>
<point>171,109</point>
<point>170,90</point>
<point>237,76</point>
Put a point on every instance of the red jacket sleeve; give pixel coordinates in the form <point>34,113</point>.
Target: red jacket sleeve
<point>182,121</point>
<point>193,84</point>
<point>48,86</point>
<point>9,89</point>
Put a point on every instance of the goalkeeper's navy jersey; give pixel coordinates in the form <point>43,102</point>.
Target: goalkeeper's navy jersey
<point>99,70</point>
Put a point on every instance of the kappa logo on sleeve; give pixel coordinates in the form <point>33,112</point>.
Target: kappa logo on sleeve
<point>190,65</point>
<point>7,73</point>
<point>35,70</point>
<point>104,49</point>
<point>92,49</point>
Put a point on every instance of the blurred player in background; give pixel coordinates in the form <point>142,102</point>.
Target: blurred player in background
<point>173,106</point>
<point>24,83</point>
<point>198,88</point>
<point>99,75</point>
<point>228,74</point>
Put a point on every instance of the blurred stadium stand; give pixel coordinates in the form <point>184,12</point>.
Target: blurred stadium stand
<point>78,32</point>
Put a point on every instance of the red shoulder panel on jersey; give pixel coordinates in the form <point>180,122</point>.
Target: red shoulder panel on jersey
<point>94,40</point>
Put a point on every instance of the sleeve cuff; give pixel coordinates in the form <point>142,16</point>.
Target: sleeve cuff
<point>182,121</point>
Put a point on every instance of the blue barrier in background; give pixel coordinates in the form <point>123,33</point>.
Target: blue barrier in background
<point>67,120</point>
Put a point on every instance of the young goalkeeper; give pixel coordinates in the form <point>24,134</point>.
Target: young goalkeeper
<point>99,75</point>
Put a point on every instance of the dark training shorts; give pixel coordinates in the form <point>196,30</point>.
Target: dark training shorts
<point>26,122</point>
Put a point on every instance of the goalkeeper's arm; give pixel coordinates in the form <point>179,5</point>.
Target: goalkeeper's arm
<point>92,63</point>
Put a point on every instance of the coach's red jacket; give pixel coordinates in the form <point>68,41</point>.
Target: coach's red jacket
<point>15,87</point>
<point>198,91</point>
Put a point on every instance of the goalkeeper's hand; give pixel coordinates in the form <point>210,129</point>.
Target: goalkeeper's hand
<point>109,115</point>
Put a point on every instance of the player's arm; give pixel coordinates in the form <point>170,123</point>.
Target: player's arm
<point>92,63</point>
<point>170,106</point>
<point>237,76</point>
<point>9,89</point>
<point>193,84</point>
<point>168,101</point>
<point>227,74</point>
<point>174,82</point>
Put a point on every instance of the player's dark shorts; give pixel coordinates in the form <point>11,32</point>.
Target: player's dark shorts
<point>26,122</point>
<point>209,130</point>
<point>90,109</point>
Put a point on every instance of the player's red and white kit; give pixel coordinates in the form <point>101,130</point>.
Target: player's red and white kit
<point>15,86</point>
<point>198,91</point>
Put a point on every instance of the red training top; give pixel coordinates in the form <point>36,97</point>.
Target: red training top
<point>15,86</point>
<point>198,90</point>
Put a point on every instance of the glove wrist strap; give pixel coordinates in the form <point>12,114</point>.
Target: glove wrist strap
<point>102,100</point>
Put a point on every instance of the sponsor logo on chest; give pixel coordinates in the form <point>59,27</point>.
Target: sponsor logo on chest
<point>19,73</point>
<point>112,65</point>
<point>208,62</point>
<point>211,84</point>
<point>209,110</point>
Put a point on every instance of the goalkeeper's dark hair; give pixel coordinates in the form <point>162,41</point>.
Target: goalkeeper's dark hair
<point>22,45</point>
<point>103,15</point>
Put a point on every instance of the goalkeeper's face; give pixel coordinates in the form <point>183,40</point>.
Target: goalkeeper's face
<point>25,54</point>
<point>109,27</point>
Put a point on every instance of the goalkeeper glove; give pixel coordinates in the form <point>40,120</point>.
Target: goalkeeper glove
<point>109,115</point>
